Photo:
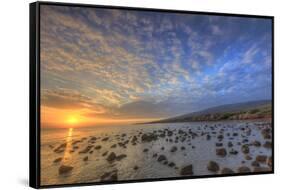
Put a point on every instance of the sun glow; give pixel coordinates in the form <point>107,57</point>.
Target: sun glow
<point>62,118</point>
<point>72,120</point>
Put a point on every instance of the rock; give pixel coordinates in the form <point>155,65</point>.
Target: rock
<point>60,148</point>
<point>221,152</point>
<point>269,161</point>
<point>230,144</point>
<point>244,169</point>
<point>255,164</point>
<point>233,152</point>
<point>149,137</point>
<point>245,149</point>
<point>208,137</point>
<point>57,160</point>
<point>267,144</point>
<point>162,148</point>
<point>98,147</point>
<point>105,139</point>
<point>261,158</point>
<point>120,157</point>
<point>105,153</point>
<point>111,157</point>
<point>227,171</point>
<point>219,144</point>
<point>187,170</point>
<point>145,150</point>
<point>86,150</point>
<point>220,137</point>
<point>165,162</point>
<point>256,143</point>
<point>266,133</point>
<point>154,155</point>
<point>213,166</point>
<point>93,139</point>
<point>235,134</point>
<point>63,169</point>
<point>174,149</point>
<point>261,169</point>
<point>161,158</point>
<point>134,140</point>
<point>136,167</point>
<point>171,164</point>
<point>75,147</point>
<point>169,133</point>
<point>86,158</point>
<point>248,157</point>
<point>113,146</point>
<point>110,176</point>
<point>182,148</point>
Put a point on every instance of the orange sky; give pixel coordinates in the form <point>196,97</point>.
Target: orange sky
<point>63,118</point>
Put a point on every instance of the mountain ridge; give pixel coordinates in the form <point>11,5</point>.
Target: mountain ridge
<point>242,110</point>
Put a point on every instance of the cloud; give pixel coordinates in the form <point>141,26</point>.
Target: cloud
<point>133,63</point>
<point>216,30</point>
<point>250,54</point>
<point>69,99</point>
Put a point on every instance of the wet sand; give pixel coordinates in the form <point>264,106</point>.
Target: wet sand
<point>155,151</point>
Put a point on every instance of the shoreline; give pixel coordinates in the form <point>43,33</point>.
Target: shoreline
<point>211,121</point>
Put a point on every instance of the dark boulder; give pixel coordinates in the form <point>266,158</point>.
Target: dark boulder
<point>63,169</point>
<point>110,176</point>
<point>111,157</point>
<point>256,143</point>
<point>161,158</point>
<point>267,144</point>
<point>261,158</point>
<point>57,160</point>
<point>227,171</point>
<point>213,166</point>
<point>187,170</point>
<point>174,149</point>
<point>149,137</point>
<point>245,149</point>
<point>244,169</point>
<point>261,169</point>
<point>171,164</point>
<point>221,152</point>
<point>233,152</point>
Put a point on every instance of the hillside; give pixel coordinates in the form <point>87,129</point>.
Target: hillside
<point>239,111</point>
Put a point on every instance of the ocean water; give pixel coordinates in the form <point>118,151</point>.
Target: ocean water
<point>141,161</point>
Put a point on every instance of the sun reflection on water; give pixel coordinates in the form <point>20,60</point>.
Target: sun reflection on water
<point>67,155</point>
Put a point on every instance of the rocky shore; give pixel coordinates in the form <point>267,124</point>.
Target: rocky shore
<point>231,151</point>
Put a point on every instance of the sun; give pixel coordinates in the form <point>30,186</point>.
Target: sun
<point>72,120</point>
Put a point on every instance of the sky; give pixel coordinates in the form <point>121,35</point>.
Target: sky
<point>101,66</point>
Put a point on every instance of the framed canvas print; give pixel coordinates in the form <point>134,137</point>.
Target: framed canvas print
<point>121,94</point>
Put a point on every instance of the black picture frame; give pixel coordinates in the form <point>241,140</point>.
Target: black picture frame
<point>34,92</point>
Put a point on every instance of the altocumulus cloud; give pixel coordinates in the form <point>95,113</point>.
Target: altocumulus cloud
<point>144,64</point>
